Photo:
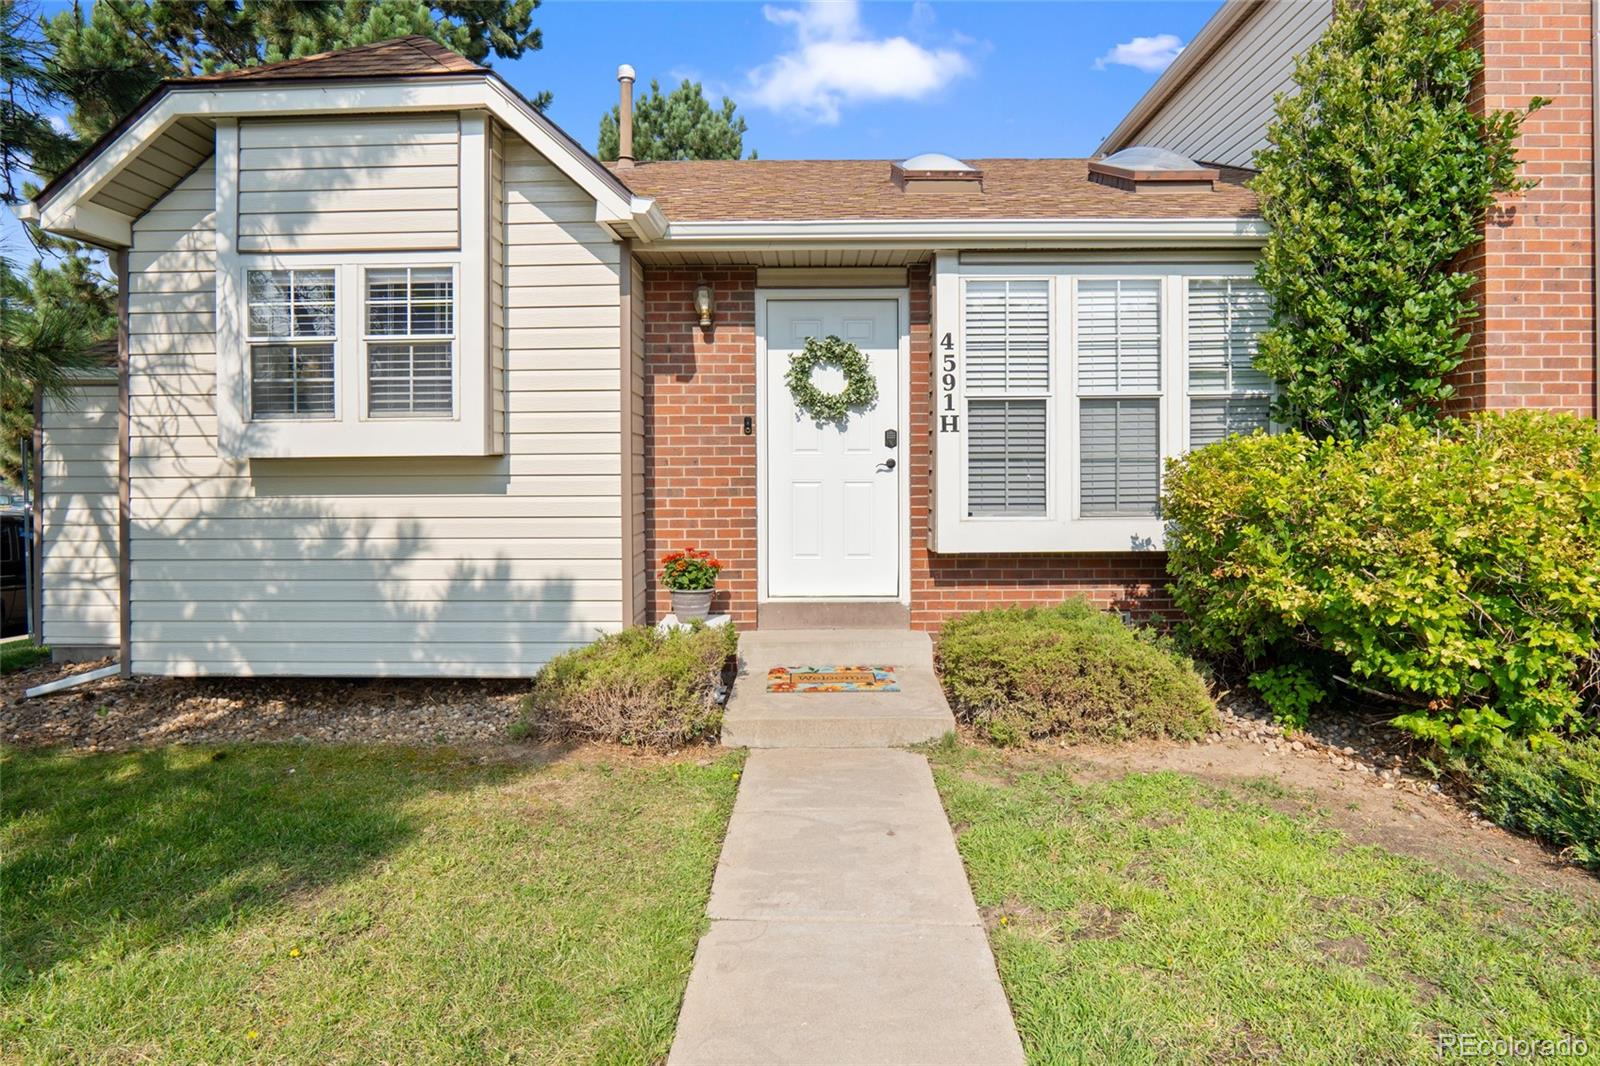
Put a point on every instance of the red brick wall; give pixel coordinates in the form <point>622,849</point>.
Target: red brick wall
<point>943,586</point>
<point>699,467</point>
<point>1534,343</point>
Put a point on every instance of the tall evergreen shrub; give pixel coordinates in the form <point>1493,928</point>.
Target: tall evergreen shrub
<point>1378,174</point>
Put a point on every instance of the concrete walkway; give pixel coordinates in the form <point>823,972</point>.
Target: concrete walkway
<point>842,927</point>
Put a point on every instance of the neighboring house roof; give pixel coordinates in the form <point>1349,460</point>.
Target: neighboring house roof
<point>837,189</point>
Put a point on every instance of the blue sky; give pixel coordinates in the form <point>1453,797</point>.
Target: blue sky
<point>841,80</point>
<point>838,79</point>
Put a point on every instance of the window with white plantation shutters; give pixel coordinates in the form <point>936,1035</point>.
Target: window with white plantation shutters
<point>1120,457</point>
<point>1227,394</point>
<point>291,324</point>
<point>1007,340</point>
<point>1119,336</point>
<point>1006,457</point>
<point>410,320</point>
<point>1119,339</point>
<point>1006,378</point>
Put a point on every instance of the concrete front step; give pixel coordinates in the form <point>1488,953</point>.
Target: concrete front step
<point>756,718</point>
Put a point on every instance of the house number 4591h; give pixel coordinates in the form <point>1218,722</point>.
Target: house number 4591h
<point>949,421</point>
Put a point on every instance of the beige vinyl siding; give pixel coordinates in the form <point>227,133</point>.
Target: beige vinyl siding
<point>427,567</point>
<point>641,563</point>
<point>1221,114</point>
<point>78,559</point>
<point>376,182</point>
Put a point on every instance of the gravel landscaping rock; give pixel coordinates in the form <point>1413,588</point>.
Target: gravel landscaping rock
<point>147,711</point>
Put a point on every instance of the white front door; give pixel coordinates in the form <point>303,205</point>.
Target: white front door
<point>832,506</point>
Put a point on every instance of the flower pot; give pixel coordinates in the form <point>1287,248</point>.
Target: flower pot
<point>691,605</point>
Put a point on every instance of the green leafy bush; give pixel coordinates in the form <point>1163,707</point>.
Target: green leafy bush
<point>636,687</point>
<point>1377,174</point>
<point>1070,671</point>
<point>1454,571</point>
<point>1551,792</point>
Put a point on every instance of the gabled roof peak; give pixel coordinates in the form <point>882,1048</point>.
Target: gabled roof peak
<point>396,57</point>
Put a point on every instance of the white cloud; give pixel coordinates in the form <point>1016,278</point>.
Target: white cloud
<point>836,61</point>
<point>59,124</point>
<point>1149,54</point>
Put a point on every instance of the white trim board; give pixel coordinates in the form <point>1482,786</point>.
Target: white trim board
<point>902,300</point>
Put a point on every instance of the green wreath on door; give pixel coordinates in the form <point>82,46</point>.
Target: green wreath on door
<point>860,388</point>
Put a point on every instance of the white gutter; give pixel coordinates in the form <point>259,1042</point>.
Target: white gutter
<point>989,233</point>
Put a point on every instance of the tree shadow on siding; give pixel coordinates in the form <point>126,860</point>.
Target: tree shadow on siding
<point>280,587</point>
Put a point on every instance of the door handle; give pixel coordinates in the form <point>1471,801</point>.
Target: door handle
<point>888,464</point>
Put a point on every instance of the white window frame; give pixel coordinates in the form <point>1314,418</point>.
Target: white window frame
<point>1062,528</point>
<point>1048,394</point>
<point>1190,395</point>
<point>368,339</point>
<point>252,340</point>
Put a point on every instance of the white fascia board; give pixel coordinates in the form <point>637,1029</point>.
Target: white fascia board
<point>954,233</point>
<point>471,92</point>
<point>89,222</point>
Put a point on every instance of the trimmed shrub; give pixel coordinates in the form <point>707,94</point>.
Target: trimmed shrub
<point>1070,671</point>
<point>1454,572</point>
<point>636,687</point>
<point>1551,792</point>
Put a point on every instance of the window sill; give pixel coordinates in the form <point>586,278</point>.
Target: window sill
<point>996,535</point>
<point>390,436</point>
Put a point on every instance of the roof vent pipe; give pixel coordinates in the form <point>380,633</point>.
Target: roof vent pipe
<point>625,76</point>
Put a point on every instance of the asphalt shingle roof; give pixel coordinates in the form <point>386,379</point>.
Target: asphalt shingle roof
<point>798,190</point>
<point>399,57</point>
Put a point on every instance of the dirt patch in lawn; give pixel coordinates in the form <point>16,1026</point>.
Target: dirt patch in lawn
<point>146,711</point>
<point>1407,816</point>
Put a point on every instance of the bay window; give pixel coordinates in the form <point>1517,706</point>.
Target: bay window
<point>354,354</point>
<point>1066,386</point>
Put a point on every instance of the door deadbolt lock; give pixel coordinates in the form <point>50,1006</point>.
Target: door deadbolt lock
<point>891,438</point>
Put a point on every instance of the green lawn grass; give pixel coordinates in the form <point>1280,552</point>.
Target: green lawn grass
<point>328,904</point>
<point>21,654</point>
<point>1156,918</point>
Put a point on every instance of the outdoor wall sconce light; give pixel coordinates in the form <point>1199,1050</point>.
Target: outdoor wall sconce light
<point>703,305</point>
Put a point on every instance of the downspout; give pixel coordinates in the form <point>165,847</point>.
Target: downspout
<point>124,452</point>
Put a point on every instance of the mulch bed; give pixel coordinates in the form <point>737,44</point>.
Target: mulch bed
<point>147,711</point>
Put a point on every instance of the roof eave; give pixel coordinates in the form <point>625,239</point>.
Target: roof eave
<point>955,233</point>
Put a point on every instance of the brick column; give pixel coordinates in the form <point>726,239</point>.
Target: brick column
<point>699,467</point>
<point>1533,345</point>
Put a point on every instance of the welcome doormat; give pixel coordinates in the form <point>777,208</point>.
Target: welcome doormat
<point>832,679</point>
